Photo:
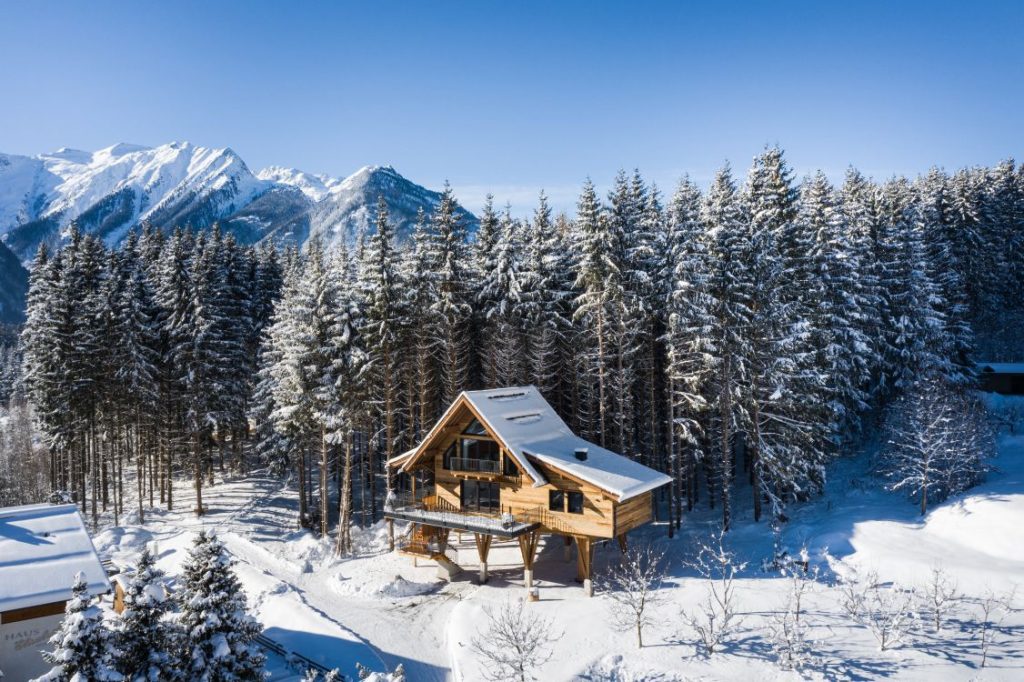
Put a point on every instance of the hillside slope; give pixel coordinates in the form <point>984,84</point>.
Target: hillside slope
<point>379,609</point>
<point>13,287</point>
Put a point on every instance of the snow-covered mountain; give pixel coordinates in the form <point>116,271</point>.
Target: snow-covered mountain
<point>350,206</point>
<point>179,184</point>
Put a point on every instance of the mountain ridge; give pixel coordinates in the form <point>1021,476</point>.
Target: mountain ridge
<point>112,190</point>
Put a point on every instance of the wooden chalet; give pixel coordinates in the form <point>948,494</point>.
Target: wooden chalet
<point>502,464</point>
<point>42,548</point>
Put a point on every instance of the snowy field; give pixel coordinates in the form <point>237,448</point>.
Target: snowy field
<point>380,610</point>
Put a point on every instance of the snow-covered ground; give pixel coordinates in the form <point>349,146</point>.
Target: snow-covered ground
<point>381,610</point>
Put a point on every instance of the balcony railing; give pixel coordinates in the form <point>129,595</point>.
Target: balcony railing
<point>436,511</point>
<point>487,466</point>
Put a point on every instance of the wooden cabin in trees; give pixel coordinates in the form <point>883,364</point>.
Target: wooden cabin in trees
<point>502,464</point>
<point>42,548</point>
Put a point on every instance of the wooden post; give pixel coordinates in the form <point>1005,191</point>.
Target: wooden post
<point>528,548</point>
<point>483,546</point>
<point>585,562</point>
<point>622,542</point>
<point>391,535</point>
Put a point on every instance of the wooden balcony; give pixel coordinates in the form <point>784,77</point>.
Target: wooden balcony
<point>434,511</point>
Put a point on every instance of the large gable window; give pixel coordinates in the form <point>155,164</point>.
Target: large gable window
<point>475,428</point>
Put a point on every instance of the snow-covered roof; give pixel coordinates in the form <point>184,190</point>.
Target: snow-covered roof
<point>42,547</point>
<point>1002,367</point>
<point>528,427</point>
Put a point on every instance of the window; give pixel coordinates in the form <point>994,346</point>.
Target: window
<point>482,496</point>
<point>556,500</point>
<point>575,503</point>
<point>509,468</point>
<point>476,428</point>
<point>449,455</point>
<point>479,455</point>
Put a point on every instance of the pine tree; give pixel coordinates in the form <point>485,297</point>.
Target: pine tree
<point>451,310</point>
<point>730,290</point>
<point>218,632</point>
<point>145,642</point>
<point>383,328</point>
<point>81,646</point>
<point>690,338</point>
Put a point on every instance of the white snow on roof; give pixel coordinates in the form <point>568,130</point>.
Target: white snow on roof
<point>523,420</point>
<point>1002,367</point>
<point>42,547</point>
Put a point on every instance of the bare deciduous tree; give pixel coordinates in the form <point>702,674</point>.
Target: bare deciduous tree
<point>633,586</point>
<point>886,610</point>
<point>788,630</point>
<point>994,609</point>
<point>715,617</point>
<point>515,643</point>
<point>940,597</point>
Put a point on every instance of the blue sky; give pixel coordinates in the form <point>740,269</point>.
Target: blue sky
<point>515,96</point>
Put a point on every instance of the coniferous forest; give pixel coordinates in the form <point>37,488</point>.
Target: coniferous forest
<point>738,337</point>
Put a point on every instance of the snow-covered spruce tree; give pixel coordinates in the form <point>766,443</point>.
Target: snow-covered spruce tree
<point>913,302</point>
<point>730,290</point>
<point>218,633</point>
<point>938,440</point>
<point>382,328</point>
<point>861,214</point>
<point>634,585</point>
<point>546,281</point>
<point>782,401</point>
<point>451,311</point>
<point>599,281</point>
<point>144,641</point>
<point>420,285</point>
<point>344,394</point>
<point>621,234</point>
<point>837,333</point>
<point>514,643</point>
<point>690,349</point>
<point>501,308</point>
<point>81,646</point>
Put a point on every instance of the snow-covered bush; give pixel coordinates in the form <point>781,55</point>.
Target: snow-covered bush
<point>219,634</point>
<point>514,644</point>
<point>145,641</point>
<point>715,618</point>
<point>633,586</point>
<point>81,646</point>
<point>367,675</point>
<point>887,611</point>
<point>939,598</point>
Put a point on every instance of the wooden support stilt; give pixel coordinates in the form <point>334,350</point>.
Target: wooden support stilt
<point>528,548</point>
<point>391,535</point>
<point>622,542</point>
<point>584,562</point>
<point>483,547</point>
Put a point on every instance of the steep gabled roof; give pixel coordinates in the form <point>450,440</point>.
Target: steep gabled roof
<point>523,421</point>
<point>42,547</point>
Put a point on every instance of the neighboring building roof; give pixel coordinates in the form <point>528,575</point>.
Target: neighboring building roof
<point>528,426</point>
<point>1002,367</point>
<point>42,547</point>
